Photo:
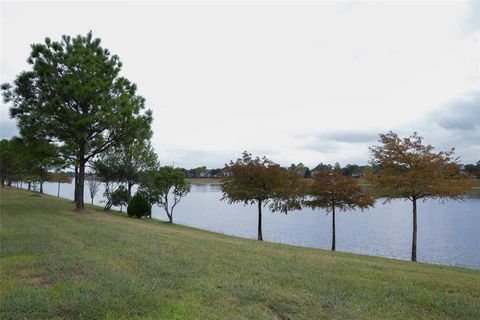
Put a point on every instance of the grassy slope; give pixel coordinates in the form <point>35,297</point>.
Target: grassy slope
<point>56,262</point>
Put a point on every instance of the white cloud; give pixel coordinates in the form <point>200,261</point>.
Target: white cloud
<point>227,77</point>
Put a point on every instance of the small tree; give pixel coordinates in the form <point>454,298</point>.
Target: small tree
<point>109,170</point>
<point>60,177</point>
<point>332,190</point>
<point>253,180</point>
<point>120,197</point>
<point>126,162</point>
<point>411,170</point>
<point>43,156</point>
<point>161,184</point>
<point>139,206</point>
<point>93,186</point>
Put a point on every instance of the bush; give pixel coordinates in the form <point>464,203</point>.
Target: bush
<point>139,206</point>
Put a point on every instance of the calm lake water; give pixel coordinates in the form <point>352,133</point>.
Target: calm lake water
<point>448,233</point>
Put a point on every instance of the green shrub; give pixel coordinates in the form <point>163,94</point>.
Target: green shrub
<point>120,197</point>
<point>139,206</point>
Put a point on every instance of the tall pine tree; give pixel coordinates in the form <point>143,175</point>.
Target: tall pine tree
<point>74,96</point>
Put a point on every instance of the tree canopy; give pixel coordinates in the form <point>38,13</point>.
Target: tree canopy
<point>410,169</point>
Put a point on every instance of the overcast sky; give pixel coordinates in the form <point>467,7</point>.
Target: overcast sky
<point>309,82</point>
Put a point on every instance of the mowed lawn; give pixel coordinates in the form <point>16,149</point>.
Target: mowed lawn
<point>57,263</point>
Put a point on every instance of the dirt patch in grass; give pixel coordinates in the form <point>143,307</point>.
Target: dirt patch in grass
<point>38,279</point>
<point>27,272</point>
<point>278,314</point>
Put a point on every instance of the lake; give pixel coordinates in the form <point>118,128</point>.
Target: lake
<point>448,233</point>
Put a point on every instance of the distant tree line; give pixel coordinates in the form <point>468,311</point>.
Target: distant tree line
<point>473,169</point>
<point>350,170</point>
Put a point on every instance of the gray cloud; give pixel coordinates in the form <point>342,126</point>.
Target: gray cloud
<point>460,114</point>
<point>352,136</point>
<point>454,125</point>
<point>329,141</point>
<point>317,144</point>
<point>472,21</point>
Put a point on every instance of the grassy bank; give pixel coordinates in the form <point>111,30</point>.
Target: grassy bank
<point>58,263</point>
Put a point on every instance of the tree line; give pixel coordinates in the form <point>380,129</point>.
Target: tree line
<point>401,168</point>
<point>75,110</point>
<point>350,170</point>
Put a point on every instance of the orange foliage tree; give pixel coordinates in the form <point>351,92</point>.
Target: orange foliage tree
<point>411,170</point>
<point>251,180</point>
<point>332,190</point>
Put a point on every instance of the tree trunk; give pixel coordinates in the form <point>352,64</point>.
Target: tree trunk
<point>108,203</point>
<point>333,228</point>
<point>92,200</point>
<point>41,186</point>
<point>29,185</point>
<point>260,236</point>
<point>75,191</point>
<point>414,238</point>
<point>81,179</point>
<point>130,185</point>
<point>169,215</point>
<point>58,191</point>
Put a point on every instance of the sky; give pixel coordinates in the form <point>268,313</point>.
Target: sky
<point>297,82</point>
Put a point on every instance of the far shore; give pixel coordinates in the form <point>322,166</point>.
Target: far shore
<point>215,181</point>
<point>475,192</point>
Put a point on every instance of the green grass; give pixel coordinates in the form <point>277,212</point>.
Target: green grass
<point>57,263</point>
